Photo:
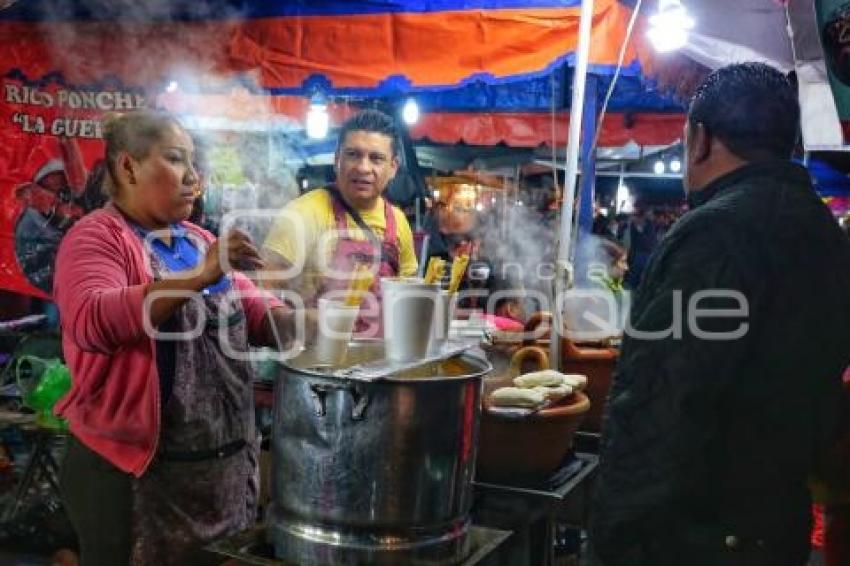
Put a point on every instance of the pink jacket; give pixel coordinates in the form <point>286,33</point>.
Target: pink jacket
<point>101,274</point>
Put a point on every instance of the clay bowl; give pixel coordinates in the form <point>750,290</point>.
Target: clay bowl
<point>529,450</point>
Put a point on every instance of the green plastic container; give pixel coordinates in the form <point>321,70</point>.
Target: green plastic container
<point>42,383</point>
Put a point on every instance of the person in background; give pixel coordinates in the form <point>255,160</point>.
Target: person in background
<point>162,457</point>
<point>50,209</point>
<point>831,493</point>
<point>603,226</point>
<point>639,238</point>
<point>621,220</point>
<point>728,388</point>
<point>614,261</point>
<point>323,234</point>
<point>507,303</point>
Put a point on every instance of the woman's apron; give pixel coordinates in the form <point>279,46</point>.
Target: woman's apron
<point>350,252</point>
<point>203,482</point>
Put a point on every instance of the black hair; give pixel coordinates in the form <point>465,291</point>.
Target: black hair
<point>371,121</point>
<point>95,193</point>
<point>752,108</point>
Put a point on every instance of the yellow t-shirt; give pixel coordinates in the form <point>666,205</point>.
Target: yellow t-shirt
<point>306,228</point>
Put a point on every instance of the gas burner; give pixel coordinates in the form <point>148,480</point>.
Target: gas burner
<point>250,547</point>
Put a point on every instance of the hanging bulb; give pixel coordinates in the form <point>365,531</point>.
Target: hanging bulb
<point>318,121</point>
<point>669,27</point>
<point>410,112</point>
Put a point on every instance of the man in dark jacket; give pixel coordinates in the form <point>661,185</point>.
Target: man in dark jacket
<point>728,385</point>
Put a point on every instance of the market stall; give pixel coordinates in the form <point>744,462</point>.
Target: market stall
<point>374,446</point>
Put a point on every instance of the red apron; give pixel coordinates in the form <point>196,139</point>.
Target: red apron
<point>349,252</point>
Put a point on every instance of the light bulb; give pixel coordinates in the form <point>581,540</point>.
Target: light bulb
<point>675,165</point>
<point>410,112</point>
<point>659,167</point>
<point>318,121</point>
<point>669,27</point>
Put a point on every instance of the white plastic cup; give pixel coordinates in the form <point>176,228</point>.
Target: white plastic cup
<point>441,326</point>
<point>336,324</point>
<point>408,313</point>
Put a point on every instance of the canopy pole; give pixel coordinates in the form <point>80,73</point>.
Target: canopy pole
<point>587,188</point>
<point>565,244</point>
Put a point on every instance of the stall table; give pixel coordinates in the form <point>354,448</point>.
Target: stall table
<point>533,513</point>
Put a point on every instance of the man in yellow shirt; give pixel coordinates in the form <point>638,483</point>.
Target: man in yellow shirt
<point>320,237</point>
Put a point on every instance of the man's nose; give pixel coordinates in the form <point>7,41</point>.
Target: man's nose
<point>362,163</point>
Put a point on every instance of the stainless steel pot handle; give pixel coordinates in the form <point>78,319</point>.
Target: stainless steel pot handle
<point>359,397</point>
<point>361,400</point>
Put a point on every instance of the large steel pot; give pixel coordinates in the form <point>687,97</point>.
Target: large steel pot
<point>374,472</point>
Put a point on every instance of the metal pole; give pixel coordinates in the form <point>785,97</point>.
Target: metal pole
<point>588,169</point>
<point>505,190</point>
<point>576,112</point>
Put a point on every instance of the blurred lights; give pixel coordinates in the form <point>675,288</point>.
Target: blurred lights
<point>669,27</point>
<point>676,165</point>
<point>318,121</point>
<point>479,207</point>
<point>659,168</point>
<point>410,112</point>
<point>625,201</point>
<point>172,86</point>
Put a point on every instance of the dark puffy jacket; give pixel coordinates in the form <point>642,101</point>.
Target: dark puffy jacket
<point>707,443</point>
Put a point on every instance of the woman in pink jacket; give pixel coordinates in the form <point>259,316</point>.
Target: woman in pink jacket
<point>154,324</point>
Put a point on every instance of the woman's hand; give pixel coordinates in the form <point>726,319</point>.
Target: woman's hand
<point>233,250</point>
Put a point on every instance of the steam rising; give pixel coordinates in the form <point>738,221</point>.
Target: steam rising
<point>171,49</point>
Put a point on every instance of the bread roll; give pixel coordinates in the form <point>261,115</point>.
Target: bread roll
<point>544,378</point>
<point>576,380</point>
<point>555,393</point>
<point>551,378</point>
<point>517,397</point>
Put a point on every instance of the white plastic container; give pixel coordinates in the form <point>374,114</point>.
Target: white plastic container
<point>408,313</point>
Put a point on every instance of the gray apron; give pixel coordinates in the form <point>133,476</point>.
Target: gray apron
<point>203,482</point>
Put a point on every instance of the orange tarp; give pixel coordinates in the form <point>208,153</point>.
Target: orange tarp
<point>351,51</point>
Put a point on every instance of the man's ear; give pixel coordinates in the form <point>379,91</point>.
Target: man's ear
<point>394,164</point>
<point>127,168</point>
<point>701,143</point>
